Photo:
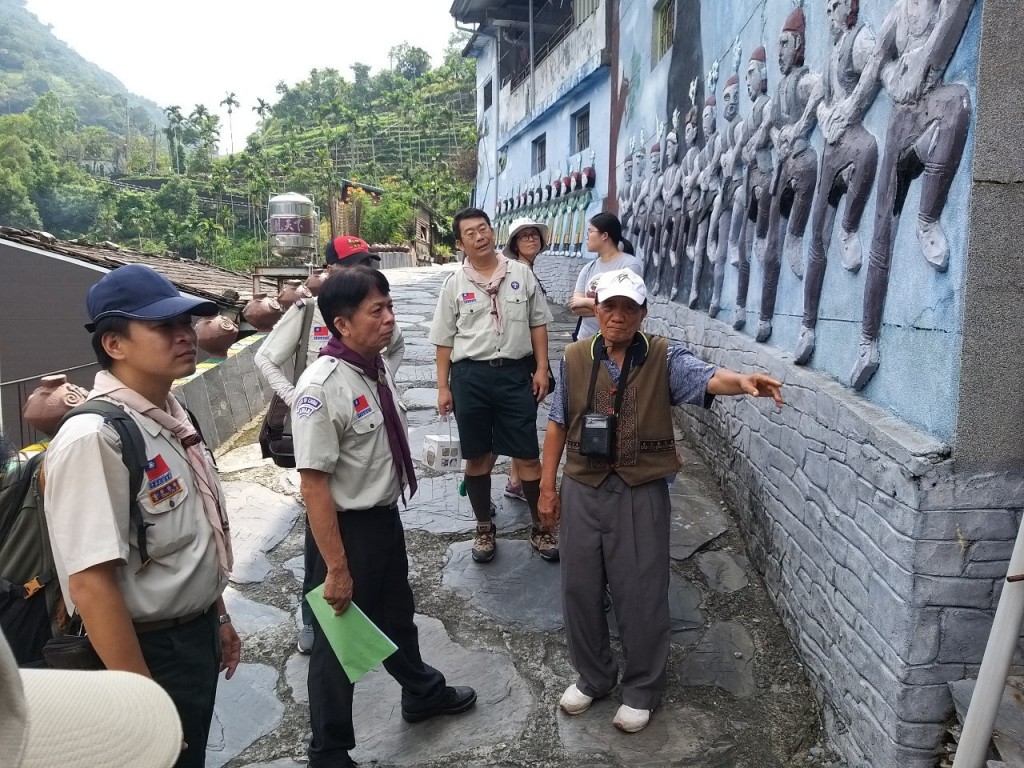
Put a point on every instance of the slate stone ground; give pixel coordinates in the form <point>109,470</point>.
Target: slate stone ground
<point>736,693</point>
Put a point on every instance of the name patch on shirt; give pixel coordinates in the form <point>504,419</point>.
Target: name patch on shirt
<point>469,297</point>
<point>157,472</point>
<point>362,406</point>
<point>321,333</point>
<point>307,406</point>
<point>165,491</point>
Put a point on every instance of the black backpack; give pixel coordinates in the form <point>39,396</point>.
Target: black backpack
<point>30,598</point>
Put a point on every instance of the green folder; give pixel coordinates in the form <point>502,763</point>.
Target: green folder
<point>356,641</point>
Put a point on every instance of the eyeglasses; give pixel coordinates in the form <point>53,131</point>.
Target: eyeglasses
<point>529,235</point>
<point>480,231</point>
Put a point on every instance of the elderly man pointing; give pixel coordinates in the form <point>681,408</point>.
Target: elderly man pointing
<point>612,408</point>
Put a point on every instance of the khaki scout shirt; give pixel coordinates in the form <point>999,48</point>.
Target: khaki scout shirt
<point>338,428</point>
<point>282,346</point>
<point>86,497</point>
<point>463,319</point>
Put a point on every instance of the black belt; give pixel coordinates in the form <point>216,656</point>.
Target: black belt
<point>143,627</point>
<point>392,507</point>
<point>499,361</point>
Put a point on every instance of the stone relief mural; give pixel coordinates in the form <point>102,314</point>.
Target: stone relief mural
<point>749,185</point>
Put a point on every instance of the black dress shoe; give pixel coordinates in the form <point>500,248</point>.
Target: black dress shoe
<point>455,700</point>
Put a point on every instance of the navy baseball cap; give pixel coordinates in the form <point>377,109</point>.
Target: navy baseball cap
<point>138,292</point>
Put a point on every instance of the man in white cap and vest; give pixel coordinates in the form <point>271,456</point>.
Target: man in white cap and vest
<point>612,409</point>
<point>162,615</point>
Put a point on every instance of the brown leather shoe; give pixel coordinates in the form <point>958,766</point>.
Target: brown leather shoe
<point>542,540</point>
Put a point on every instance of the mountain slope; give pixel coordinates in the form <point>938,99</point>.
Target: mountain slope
<point>33,61</point>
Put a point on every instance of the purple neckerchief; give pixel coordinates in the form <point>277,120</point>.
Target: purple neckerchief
<point>376,371</point>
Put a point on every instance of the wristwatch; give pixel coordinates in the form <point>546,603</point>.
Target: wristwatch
<point>224,618</point>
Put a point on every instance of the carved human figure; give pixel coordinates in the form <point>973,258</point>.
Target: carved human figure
<point>641,188</point>
<point>793,117</point>
<point>848,162</point>
<point>727,206</point>
<point>650,237</point>
<point>623,197</point>
<point>707,183</point>
<point>689,198</point>
<point>757,156</point>
<point>926,136</point>
<point>672,196</point>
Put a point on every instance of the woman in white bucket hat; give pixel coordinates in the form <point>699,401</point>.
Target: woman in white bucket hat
<point>526,239</point>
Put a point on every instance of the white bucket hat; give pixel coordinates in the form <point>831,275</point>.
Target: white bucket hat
<point>78,719</point>
<point>517,226</point>
<point>622,282</point>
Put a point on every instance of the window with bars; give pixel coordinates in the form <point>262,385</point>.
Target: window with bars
<point>540,153</point>
<point>664,29</point>
<point>581,130</point>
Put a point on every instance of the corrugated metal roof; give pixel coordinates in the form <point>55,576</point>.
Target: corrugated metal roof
<point>195,277</point>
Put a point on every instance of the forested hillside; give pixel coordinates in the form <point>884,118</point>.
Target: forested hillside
<point>34,62</point>
<point>409,130</point>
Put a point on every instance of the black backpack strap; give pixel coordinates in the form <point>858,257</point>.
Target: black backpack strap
<point>133,454</point>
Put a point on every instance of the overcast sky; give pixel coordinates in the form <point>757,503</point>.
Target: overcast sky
<point>193,51</point>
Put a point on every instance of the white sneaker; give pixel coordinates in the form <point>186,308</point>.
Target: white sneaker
<point>631,720</point>
<point>574,701</point>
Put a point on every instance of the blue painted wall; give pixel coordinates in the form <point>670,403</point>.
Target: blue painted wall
<point>922,324</point>
<point>555,123</point>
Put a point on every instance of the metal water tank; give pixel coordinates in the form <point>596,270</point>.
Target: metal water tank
<point>293,225</point>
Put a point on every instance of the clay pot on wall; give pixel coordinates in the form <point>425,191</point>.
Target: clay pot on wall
<point>216,334</point>
<point>315,282</point>
<point>262,312</point>
<point>48,403</point>
<point>292,291</point>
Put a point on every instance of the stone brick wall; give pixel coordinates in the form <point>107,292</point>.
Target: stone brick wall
<point>227,395</point>
<point>883,563</point>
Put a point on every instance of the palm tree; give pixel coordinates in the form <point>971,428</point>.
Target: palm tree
<point>230,102</point>
<point>173,131</point>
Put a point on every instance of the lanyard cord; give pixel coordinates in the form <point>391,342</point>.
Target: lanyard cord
<point>620,385</point>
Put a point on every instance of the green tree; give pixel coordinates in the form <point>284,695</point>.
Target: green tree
<point>16,207</point>
<point>230,102</point>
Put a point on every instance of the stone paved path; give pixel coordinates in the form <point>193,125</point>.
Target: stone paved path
<point>736,696</point>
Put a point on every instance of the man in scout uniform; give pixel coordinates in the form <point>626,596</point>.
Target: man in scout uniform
<point>490,328</point>
<point>283,345</point>
<point>163,618</point>
<point>353,458</point>
<point>612,407</point>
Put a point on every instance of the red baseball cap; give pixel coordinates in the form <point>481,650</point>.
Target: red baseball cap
<point>346,250</point>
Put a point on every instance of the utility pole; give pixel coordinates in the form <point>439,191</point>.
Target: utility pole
<point>152,166</point>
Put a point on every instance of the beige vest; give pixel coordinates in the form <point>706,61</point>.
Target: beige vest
<point>645,444</point>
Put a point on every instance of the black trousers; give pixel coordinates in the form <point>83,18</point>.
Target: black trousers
<point>377,561</point>
<point>310,556</point>
<point>185,661</point>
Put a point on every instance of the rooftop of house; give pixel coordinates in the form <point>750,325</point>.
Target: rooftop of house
<point>231,290</point>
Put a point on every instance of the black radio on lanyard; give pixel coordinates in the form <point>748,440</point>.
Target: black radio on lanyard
<point>597,438</point>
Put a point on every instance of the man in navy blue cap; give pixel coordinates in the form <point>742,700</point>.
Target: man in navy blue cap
<point>149,593</point>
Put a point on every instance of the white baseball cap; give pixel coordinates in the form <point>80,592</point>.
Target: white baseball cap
<point>78,719</point>
<point>622,282</point>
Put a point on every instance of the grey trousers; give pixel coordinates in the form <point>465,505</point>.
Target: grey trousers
<point>616,534</point>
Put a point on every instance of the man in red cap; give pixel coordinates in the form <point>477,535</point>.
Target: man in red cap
<point>304,321</point>
<point>793,117</point>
